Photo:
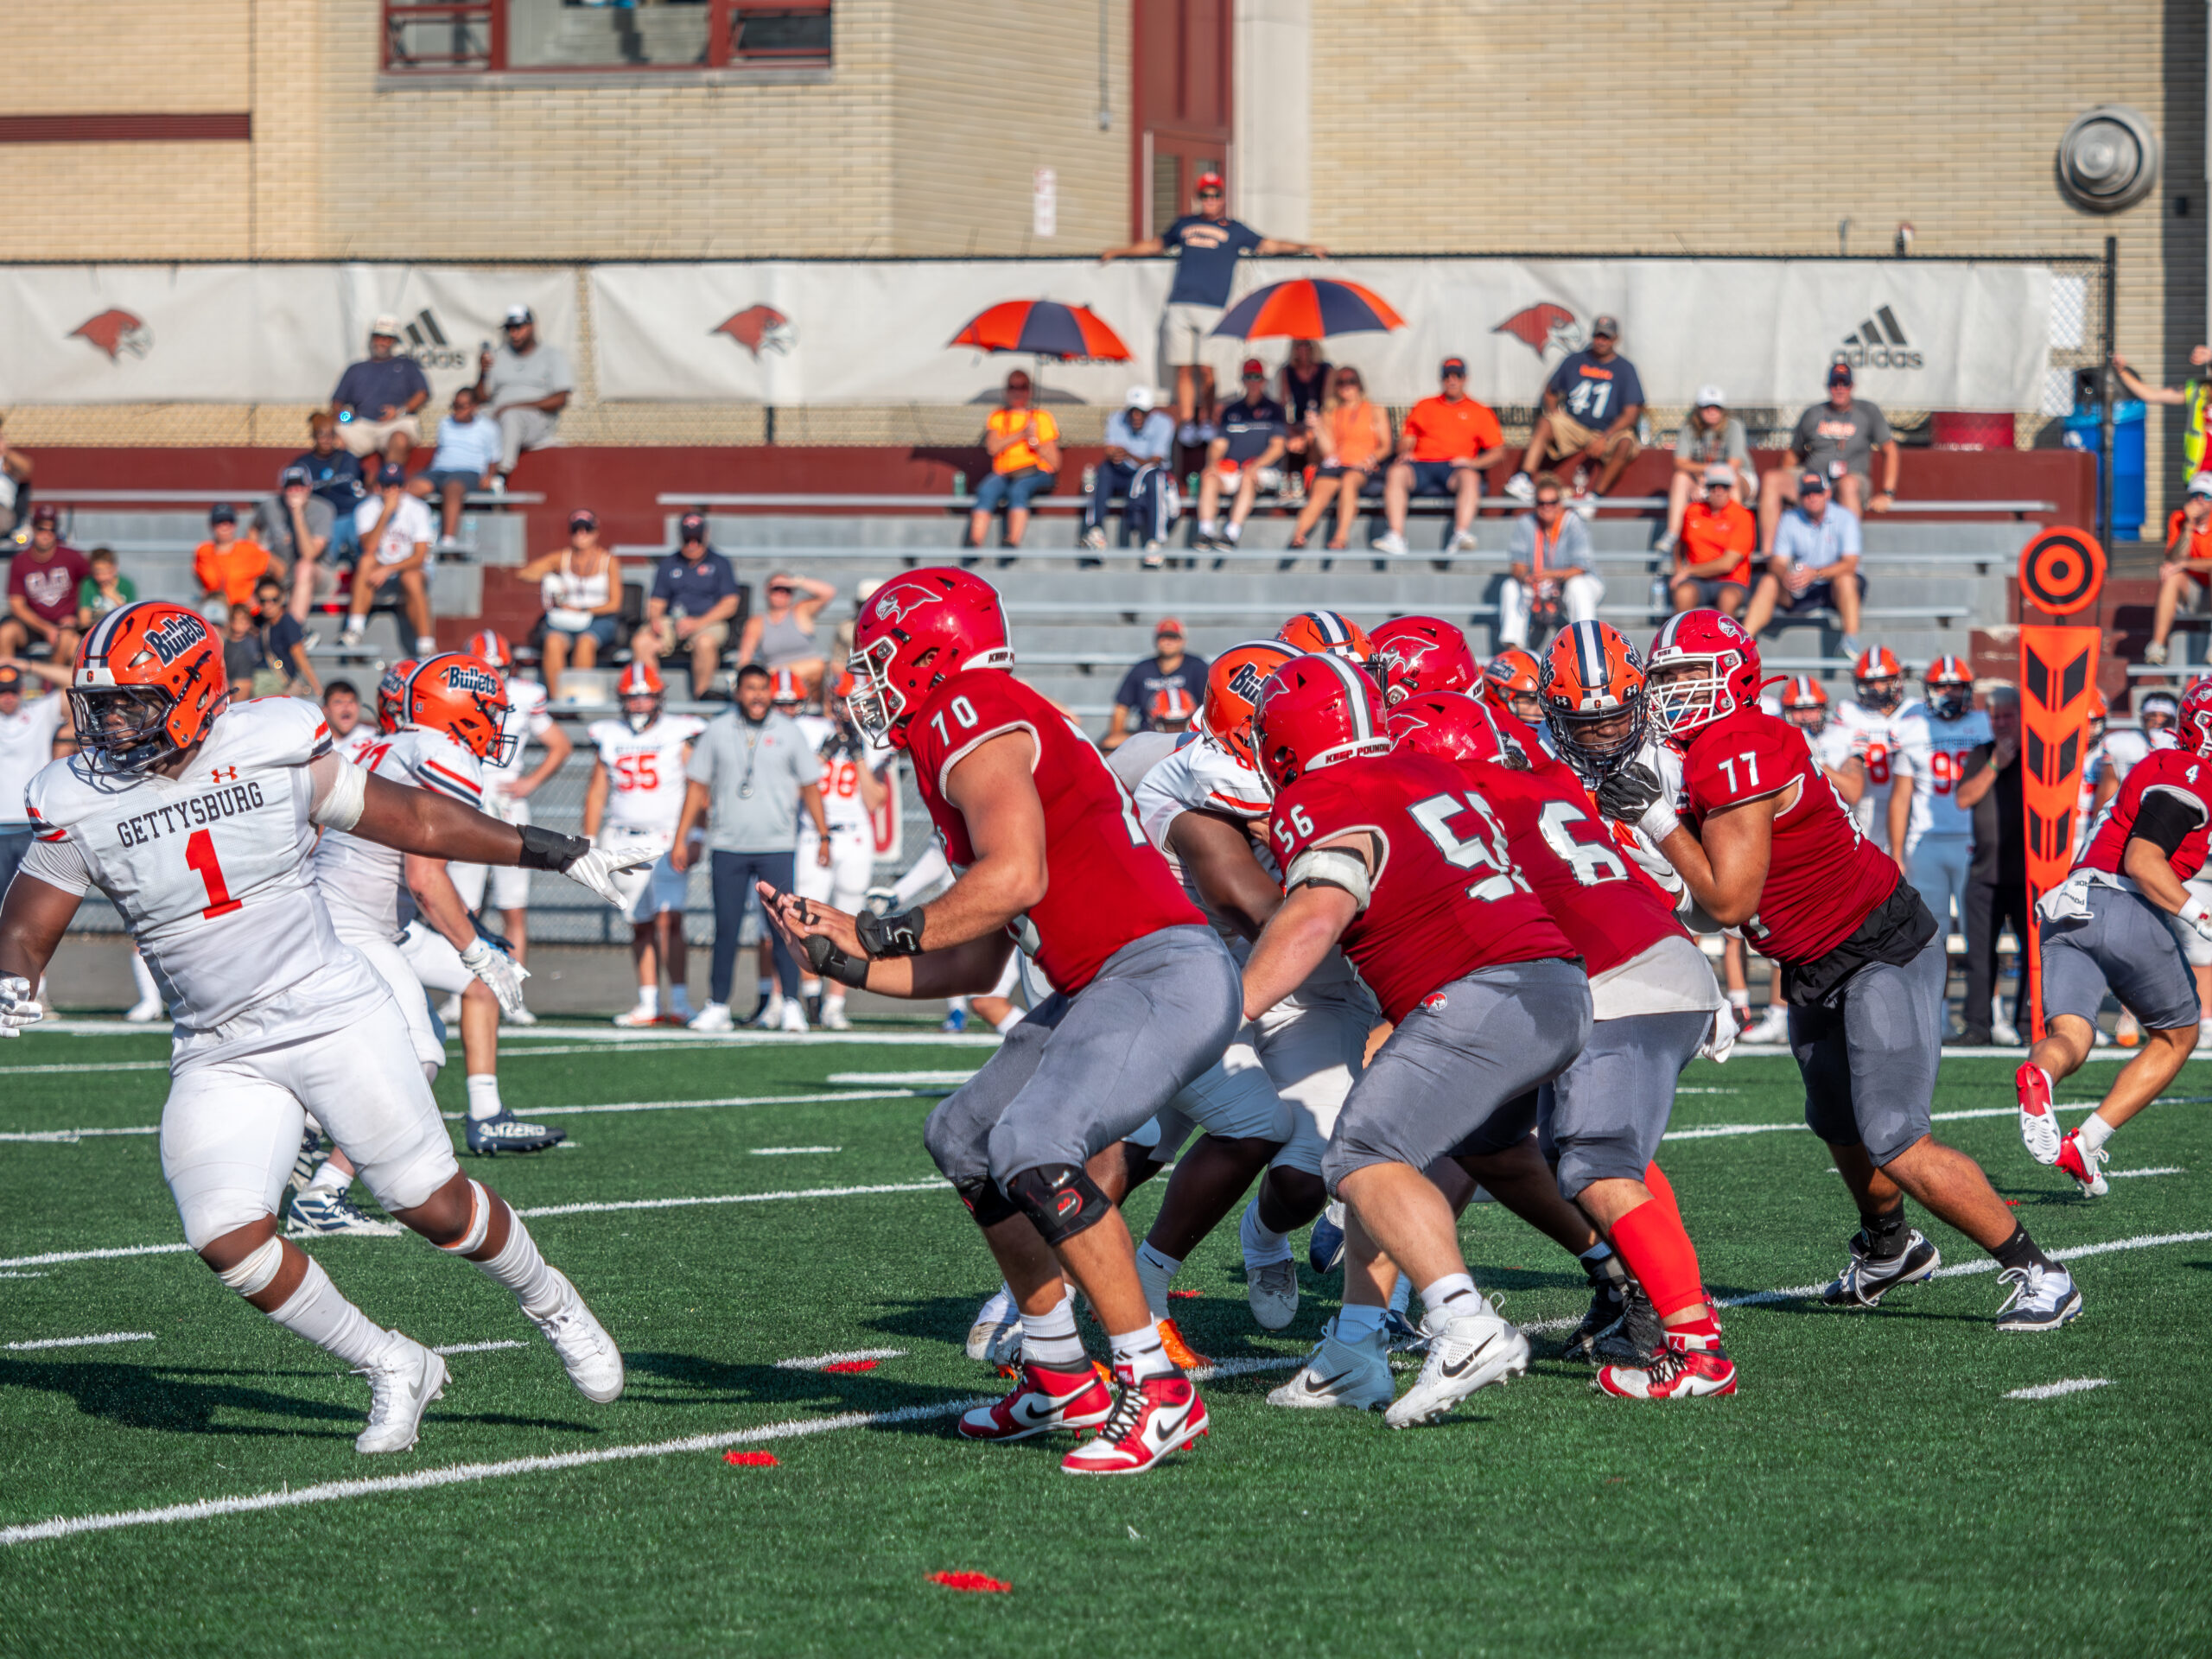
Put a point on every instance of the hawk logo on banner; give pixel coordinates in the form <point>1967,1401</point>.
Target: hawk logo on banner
<point>1544,325</point>
<point>759,328</point>
<point>116,331</point>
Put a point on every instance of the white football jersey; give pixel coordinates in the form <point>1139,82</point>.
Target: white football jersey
<point>357,743</point>
<point>843,752</point>
<point>26,750</point>
<point>366,883</point>
<point>526,718</point>
<point>1875,739</point>
<point>645,771</point>
<point>210,873</point>
<point>1933,753</point>
<point>1666,765</point>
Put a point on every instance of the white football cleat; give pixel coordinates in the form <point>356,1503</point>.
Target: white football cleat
<point>517,1017</point>
<point>793,1018</point>
<point>714,1017</point>
<point>2039,1130</point>
<point>640,1015</point>
<point>1772,1027</point>
<point>833,1017</point>
<point>595,1362</point>
<point>1340,1373</point>
<point>403,1381</point>
<point>2042,1299</point>
<point>1272,1289</point>
<point>1466,1351</point>
<point>144,1013</point>
<point>996,1321</point>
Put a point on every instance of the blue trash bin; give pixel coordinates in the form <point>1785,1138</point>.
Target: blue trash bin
<point>2084,429</point>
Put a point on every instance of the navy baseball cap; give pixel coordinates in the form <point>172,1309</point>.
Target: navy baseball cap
<point>11,678</point>
<point>292,475</point>
<point>1606,324</point>
<point>222,513</point>
<point>390,473</point>
<point>583,518</point>
<point>1811,484</point>
<point>1839,374</point>
<point>1453,365</point>
<point>692,527</point>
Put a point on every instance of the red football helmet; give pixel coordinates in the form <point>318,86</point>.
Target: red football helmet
<point>1512,681</point>
<point>1171,709</point>
<point>491,646</point>
<point>2193,731</point>
<point>1422,653</point>
<point>1232,687</point>
<point>1880,679</point>
<point>1592,691</point>
<point>1949,688</point>
<point>391,692</point>
<point>1702,667</point>
<point>914,631</point>
<point>1332,632</point>
<point>1805,703</point>
<point>464,697</point>
<point>149,684</point>
<point>1450,725</point>
<point>1313,711</point>
<point>642,693</point>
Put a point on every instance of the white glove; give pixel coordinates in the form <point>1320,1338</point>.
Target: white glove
<point>597,868</point>
<point>1720,1042</point>
<point>498,970</point>
<point>1659,821</point>
<point>2193,912</point>
<point>18,1007</point>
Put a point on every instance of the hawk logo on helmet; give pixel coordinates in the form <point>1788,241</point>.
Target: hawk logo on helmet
<point>1405,654</point>
<point>901,601</point>
<point>171,638</point>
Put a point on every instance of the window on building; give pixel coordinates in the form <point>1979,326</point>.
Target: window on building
<point>549,36</point>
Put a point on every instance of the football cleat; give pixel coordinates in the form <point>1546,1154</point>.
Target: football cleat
<point>1869,1278</point>
<point>1044,1399</point>
<point>517,1017</point>
<point>1272,1289</point>
<point>1466,1351</point>
<point>1151,1420</point>
<point>315,1212</point>
<point>1772,1027</point>
<point>488,1136</point>
<point>144,1013</point>
<point>1325,1249</point>
<point>1184,1357</point>
<point>714,1017</point>
<point>954,1019</point>
<point>1340,1373</point>
<point>1637,1336</point>
<point>594,1363</point>
<point>793,1017</point>
<point>1675,1372</point>
<point>996,1322</point>
<point>2042,1299</point>
<point>833,1017</point>
<point>306,1161</point>
<point>2039,1131</point>
<point>402,1381</point>
<point>1606,1305</point>
<point>2084,1165</point>
<point>643,1014</point>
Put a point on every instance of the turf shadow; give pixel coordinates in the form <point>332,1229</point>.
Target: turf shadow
<point>165,1399</point>
<point>694,1379</point>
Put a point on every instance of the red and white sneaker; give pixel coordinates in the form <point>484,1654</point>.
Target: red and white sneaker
<point>1044,1399</point>
<point>2086,1167</point>
<point>2039,1131</point>
<point>1679,1372</point>
<point>1152,1418</point>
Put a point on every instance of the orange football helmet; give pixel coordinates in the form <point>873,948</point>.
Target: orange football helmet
<point>465,697</point>
<point>1880,679</point>
<point>149,684</point>
<point>392,691</point>
<point>788,690</point>
<point>642,693</point>
<point>1592,688</point>
<point>1805,702</point>
<point>1950,687</point>
<point>1172,708</point>
<point>1232,687</point>
<point>1332,632</point>
<point>491,646</point>
<point>1512,681</point>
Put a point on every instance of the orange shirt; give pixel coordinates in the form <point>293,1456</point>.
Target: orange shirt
<point>1020,455</point>
<point>1441,430</point>
<point>1706,535</point>
<point>230,571</point>
<point>1351,434</point>
<point>2181,545</point>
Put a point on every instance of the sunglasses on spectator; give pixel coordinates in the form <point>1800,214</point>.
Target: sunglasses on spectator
<point>1343,380</point>
<point>1209,195</point>
<point>1017,385</point>
<point>1544,501</point>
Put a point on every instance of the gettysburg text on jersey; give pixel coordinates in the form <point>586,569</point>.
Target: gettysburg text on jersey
<point>226,802</point>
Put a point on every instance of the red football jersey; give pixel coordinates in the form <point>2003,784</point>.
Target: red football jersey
<point>1447,897</point>
<point>1608,909</point>
<point>1823,876</point>
<point>1106,885</point>
<point>2186,777</point>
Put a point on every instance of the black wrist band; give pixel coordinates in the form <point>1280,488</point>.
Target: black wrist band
<point>899,934</point>
<point>547,849</point>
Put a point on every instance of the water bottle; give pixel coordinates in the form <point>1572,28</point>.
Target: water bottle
<point>959,484</point>
<point>1659,599</point>
<point>1090,479</point>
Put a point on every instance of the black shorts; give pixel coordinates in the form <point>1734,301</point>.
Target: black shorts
<point>1710,588</point>
<point>1436,476</point>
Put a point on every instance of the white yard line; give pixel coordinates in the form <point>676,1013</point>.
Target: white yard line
<point>70,1137</point>
<point>2066,1385</point>
<point>792,1152</point>
<point>2163,1169</point>
<point>939,1185</point>
<point>53,1256</point>
<point>901,1079</point>
<point>104,1066</point>
<point>99,1341</point>
<point>817,1361</point>
<point>478,1347</point>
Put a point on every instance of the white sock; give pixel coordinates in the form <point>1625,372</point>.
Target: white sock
<point>809,988</point>
<point>959,1002</point>
<point>484,1097</point>
<point>648,998</point>
<point>142,977</point>
<point>353,626</point>
<point>425,646</point>
<point>1205,527</point>
<point>330,1178</point>
<point>1155,1271</point>
<point>1401,1294</point>
<point>1140,1355</point>
<point>2094,1132</point>
<point>1439,1295</point>
<point>319,1311</point>
<point>1263,1246</point>
<point>1357,1324</point>
<point>1050,1338</point>
<point>1013,1017</point>
<point>524,1271</point>
<point>1234,534</point>
<point>1740,1001</point>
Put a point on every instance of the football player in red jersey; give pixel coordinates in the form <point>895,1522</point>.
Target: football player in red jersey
<point>1397,858</point>
<point>1050,853</point>
<point>1768,844</point>
<point>2116,923</point>
<point>1422,653</point>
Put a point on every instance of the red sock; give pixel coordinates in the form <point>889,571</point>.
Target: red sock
<point>1659,1253</point>
<point>1662,1190</point>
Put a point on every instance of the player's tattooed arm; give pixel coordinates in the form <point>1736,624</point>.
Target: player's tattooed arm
<point>1724,865</point>
<point>1217,851</point>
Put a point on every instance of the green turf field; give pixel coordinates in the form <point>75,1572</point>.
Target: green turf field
<point>1872,1489</point>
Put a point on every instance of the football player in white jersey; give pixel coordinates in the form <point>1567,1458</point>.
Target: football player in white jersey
<point>836,870</point>
<point>508,786</point>
<point>1870,728</point>
<point>196,819</point>
<point>633,803</point>
<point>1926,831</point>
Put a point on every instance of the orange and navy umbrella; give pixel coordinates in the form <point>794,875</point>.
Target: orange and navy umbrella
<point>1046,327</point>
<point>1309,308</point>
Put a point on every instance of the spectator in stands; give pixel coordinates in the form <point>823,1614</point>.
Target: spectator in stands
<point>296,526</point>
<point>377,398</point>
<point>1553,576</point>
<point>1997,877</point>
<point>524,386</point>
<point>696,596</point>
<point>467,457</point>
<point>226,564</point>
<point>1023,447</point>
<point>581,585</point>
<point>1301,387</point>
<point>1353,437</point>
<point>2185,577</point>
<point>1447,442</point>
<point>244,655</point>
<point>1712,560</point>
<point>14,474</point>
<point>1591,405</point>
<point>783,634</point>
<point>1169,668</point>
<point>1255,433</point>
<point>43,583</point>
<point>2194,395</point>
<point>283,641</point>
<point>1138,440</point>
<point>105,589</point>
<point>1836,439</point>
<point>337,478</point>
<point>1207,244</point>
<point>1815,563</point>
<point>395,533</point>
<point>1710,437</point>
<point>32,733</point>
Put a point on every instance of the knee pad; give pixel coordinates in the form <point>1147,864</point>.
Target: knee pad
<point>480,1222</point>
<point>1060,1199</point>
<point>257,1272</point>
<point>985,1202</point>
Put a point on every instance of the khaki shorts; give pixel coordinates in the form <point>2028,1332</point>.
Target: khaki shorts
<point>366,437</point>
<point>715,633</point>
<point>1571,437</point>
<point>1185,335</point>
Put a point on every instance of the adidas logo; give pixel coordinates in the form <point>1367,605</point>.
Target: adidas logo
<point>1879,343</point>
<point>427,345</point>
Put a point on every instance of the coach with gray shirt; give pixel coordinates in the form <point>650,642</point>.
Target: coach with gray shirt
<point>752,771</point>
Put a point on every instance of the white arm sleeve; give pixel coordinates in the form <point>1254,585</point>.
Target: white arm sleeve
<point>340,790</point>
<point>59,864</point>
<point>1331,866</point>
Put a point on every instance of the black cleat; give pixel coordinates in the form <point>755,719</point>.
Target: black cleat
<point>1637,1336</point>
<point>1605,1315</point>
<point>489,1136</point>
<point>1870,1277</point>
